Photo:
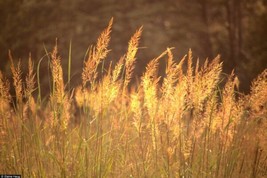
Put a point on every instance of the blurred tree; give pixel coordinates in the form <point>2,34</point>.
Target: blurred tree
<point>8,31</point>
<point>234,26</point>
<point>206,20</point>
<point>255,45</point>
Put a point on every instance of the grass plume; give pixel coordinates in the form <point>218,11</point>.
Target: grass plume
<point>180,124</point>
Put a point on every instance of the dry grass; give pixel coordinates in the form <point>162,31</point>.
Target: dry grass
<point>179,125</point>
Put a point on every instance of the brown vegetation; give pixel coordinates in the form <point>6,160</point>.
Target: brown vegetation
<point>178,125</point>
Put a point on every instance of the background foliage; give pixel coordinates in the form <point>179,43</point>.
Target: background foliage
<point>233,28</point>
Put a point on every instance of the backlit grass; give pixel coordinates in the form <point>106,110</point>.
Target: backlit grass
<point>181,124</point>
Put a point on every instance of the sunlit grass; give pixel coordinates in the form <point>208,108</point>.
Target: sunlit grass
<point>181,124</point>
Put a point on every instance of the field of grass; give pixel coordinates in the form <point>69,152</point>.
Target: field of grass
<point>181,124</point>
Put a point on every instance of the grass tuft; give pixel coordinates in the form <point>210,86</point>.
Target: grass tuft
<point>181,124</point>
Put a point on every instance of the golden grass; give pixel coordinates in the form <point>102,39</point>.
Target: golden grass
<point>177,125</point>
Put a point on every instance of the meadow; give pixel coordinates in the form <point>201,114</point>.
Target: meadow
<point>190,122</point>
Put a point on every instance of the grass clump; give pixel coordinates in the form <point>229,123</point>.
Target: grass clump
<point>177,125</point>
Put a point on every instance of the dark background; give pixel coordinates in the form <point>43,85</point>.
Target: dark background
<point>235,29</point>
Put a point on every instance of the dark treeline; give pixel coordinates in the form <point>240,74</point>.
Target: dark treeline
<point>236,29</point>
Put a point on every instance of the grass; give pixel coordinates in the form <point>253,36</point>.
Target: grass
<point>181,124</point>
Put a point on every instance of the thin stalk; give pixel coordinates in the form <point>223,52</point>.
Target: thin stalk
<point>39,99</point>
<point>69,65</point>
<point>48,65</point>
<point>142,150</point>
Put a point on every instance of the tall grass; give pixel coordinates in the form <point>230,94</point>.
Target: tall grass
<point>181,124</point>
